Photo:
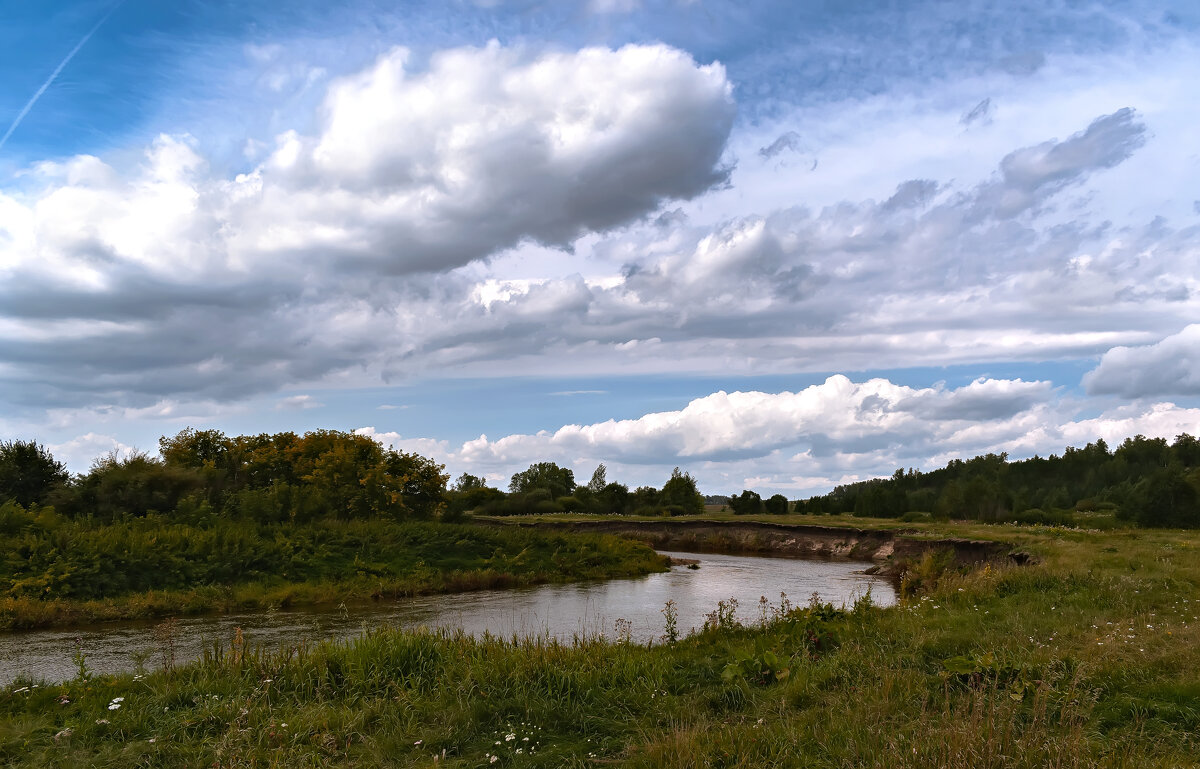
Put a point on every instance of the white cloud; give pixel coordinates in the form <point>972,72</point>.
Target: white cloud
<point>488,147</point>
<point>747,424</point>
<point>295,402</point>
<point>1168,367</point>
<point>180,282</point>
<point>808,441</point>
<point>79,452</point>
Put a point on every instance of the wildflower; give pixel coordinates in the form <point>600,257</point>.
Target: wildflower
<point>493,759</point>
<point>418,742</point>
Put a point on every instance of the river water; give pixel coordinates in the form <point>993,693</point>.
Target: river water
<point>558,611</point>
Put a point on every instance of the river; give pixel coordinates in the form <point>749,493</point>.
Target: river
<point>558,611</point>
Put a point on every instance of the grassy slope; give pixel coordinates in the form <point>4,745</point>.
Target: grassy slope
<point>1090,658</point>
<point>184,570</point>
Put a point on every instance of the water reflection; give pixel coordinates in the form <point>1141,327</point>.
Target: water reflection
<point>559,611</point>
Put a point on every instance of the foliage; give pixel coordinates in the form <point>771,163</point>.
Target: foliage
<point>599,479</point>
<point>28,472</point>
<point>547,476</point>
<point>264,478</point>
<point>468,482</point>
<point>746,503</point>
<point>776,505</point>
<point>680,492</point>
<point>1144,480</point>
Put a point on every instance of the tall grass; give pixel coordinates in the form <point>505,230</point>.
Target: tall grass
<point>65,572</point>
<point>1088,659</point>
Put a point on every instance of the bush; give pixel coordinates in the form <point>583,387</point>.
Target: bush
<point>915,517</point>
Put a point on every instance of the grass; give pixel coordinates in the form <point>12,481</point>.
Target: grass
<point>1090,658</point>
<point>150,569</point>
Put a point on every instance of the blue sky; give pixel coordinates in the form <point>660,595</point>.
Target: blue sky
<point>780,244</point>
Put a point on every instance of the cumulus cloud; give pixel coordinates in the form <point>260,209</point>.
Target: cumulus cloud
<point>1168,367</point>
<point>931,274</point>
<point>813,439</point>
<point>163,279</point>
<point>489,147</point>
<point>829,416</point>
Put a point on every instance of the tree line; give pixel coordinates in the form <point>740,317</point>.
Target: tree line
<point>320,475</point>
<point>1144,481</point>
<point>547,488</point>
<point>328,474</point>
<point>283,477</point>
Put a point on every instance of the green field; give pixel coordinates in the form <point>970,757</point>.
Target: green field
<point>1090,657</point>
<point>61,571</point>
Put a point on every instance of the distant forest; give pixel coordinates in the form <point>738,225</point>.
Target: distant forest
<point>1145,481</point>
<point>204,475</point>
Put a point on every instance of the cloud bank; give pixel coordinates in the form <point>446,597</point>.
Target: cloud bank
<point>809,440</point>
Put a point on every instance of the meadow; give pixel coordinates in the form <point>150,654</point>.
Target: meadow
<point>1088,657</point>
<point>56,570</point>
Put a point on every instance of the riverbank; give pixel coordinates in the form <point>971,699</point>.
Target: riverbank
<point>78,573</point>
<point>1088,657</point>
<point>805,540</point>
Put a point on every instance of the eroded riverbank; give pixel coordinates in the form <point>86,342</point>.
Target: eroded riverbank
<point>889,550</point>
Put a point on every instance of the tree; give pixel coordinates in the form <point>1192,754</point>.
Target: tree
<point>746,503</point>
<point>195,448</point>
<point>1165,499</point>
<point>468,482</point>
<point>28,472</point>
<point>599,479</point>
<point>680,491</point>
<point>559,481</point>
<point>613,499</point>
<point>777,505</point>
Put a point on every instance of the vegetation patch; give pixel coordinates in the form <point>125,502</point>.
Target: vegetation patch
<point>1077,660</point>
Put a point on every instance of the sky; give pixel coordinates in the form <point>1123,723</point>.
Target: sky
<point>781,245</point>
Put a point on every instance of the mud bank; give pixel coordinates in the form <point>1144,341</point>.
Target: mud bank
<point>889,549</point>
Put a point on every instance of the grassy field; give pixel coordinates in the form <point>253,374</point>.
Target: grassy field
<point>80,572</point>
<point>1090,657</point>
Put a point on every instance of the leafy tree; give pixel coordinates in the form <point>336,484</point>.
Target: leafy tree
<point>265,478</point>
<point>1165,498</point>
<point>680,492</point>
<point>599,479</point>
<point>196,448</point>
<point>746,503</point>
<point>558,481</point>
<point>777,505</point>
<point>645,500</point>
<point>28,472</point>
<point>135,485</point>
<point>468,482</point>
<point>613,499</point>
